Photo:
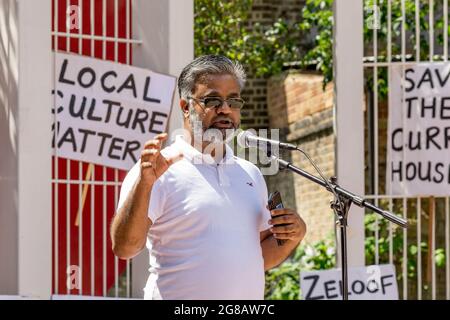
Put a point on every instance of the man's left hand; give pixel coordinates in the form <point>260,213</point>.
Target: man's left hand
<point>293,229</point>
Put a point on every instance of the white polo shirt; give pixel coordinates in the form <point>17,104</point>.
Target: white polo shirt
<point>204,242</point>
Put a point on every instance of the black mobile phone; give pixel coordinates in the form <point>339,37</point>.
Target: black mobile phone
<point>275,202</point>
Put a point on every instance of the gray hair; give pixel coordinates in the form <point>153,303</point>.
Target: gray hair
<point>203,66</point>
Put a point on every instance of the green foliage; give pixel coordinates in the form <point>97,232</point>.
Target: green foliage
<point>384,246</point>
<point>317,15</point>
<point>439,257</point>
<point>221,27</point>
<point>282,282</point>
<point>270,48</point>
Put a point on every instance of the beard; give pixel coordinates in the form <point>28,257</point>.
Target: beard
<point>211,134</point>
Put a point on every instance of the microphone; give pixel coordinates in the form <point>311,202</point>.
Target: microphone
<point>247,139</point>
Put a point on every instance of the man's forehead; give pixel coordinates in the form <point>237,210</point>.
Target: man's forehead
<point>218,84</point>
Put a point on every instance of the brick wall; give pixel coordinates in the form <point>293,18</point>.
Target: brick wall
<point>265,11</point>
<point>254,114</point>
<point>299,106</point>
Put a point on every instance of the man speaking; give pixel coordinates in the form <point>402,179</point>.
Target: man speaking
<point>200,210</point>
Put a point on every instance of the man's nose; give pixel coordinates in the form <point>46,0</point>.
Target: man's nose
<point>224,108</point>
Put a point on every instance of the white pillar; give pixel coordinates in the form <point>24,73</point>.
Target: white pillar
<point>9,69</point>
<point>349,115</point>
<point>166,28</point>
<point>26,205</point>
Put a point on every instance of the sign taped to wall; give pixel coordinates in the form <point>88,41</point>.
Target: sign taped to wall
<point>376,282</point>
<point>418,153</point>
<point>105,111</point>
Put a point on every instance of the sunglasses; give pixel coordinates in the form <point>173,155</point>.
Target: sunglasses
<point>217,102</point>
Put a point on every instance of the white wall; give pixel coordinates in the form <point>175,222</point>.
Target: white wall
<point>166,28</point>
<point>349,115</point>
<point>8,147</point>
<point>35,152</point>
<point>25,169</point>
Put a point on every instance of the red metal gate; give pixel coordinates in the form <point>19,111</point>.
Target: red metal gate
<point>85,195</point>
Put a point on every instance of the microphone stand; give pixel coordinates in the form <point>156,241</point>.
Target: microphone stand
<point>341,206</point>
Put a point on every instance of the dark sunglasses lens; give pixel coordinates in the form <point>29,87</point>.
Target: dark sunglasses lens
<point>236,103</point>
<point>212,102</point>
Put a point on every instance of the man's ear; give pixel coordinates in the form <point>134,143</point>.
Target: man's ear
<point>184,105</point>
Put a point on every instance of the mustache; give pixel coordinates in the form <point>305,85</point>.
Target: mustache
<point>222,118</point>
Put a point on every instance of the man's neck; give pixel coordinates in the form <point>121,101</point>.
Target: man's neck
<point>216,151</point>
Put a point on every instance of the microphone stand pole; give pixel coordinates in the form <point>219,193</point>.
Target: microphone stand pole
<point>341,206</point>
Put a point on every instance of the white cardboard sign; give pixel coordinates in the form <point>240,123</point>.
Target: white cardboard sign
<point>418,152</point>
<point>106,111</point>
<point>377,282</point>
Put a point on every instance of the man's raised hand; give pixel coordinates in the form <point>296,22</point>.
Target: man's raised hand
<point>153,163</point>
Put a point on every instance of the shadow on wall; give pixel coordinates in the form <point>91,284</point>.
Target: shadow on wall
<point>8,142</point>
